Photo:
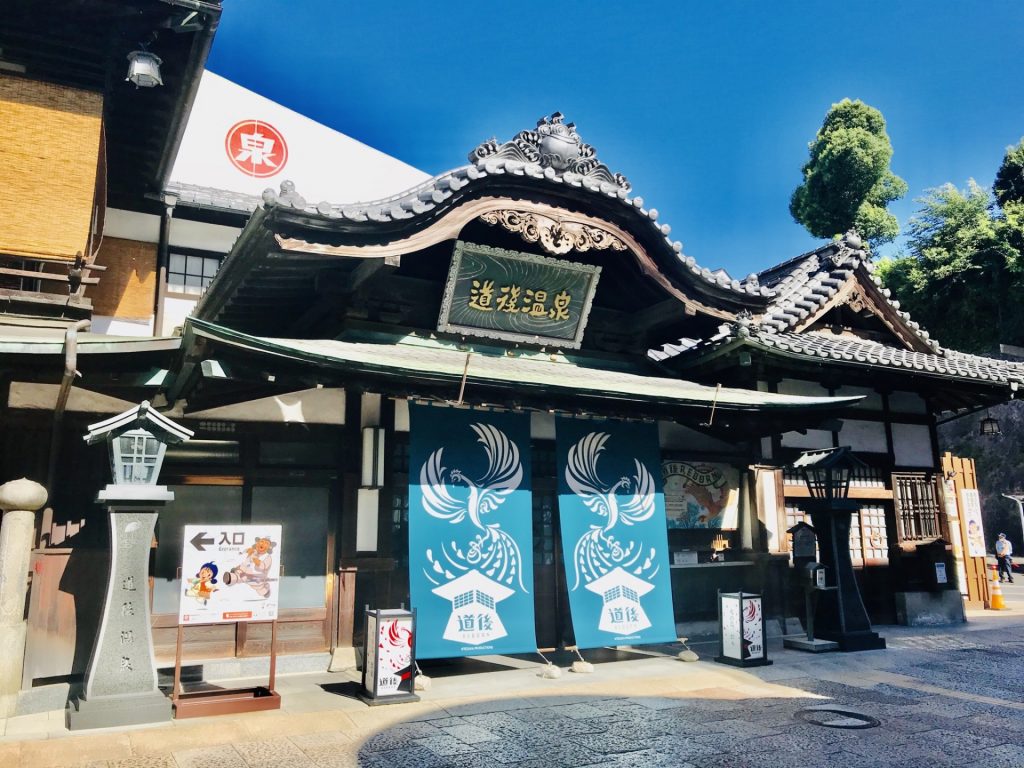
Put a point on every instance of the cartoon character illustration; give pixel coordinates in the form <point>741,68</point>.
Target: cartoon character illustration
<point>254,567</point>
<point>203,586</point>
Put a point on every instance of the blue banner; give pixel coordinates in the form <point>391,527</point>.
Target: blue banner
<point>470,532</point>
<point>614,536</point>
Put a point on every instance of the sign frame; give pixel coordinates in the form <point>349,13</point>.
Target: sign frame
<point>445,325</point>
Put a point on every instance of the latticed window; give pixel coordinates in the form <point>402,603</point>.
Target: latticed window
<point>485,600</point>
<point>612,594</point>
<point>190,273</point>
<point>869,541</point>
<point>463,600</point>
<point>917,507</point>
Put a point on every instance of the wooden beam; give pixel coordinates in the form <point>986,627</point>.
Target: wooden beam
<point>54,277</point>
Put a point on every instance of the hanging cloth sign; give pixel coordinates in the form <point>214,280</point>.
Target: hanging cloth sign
<point>470,532</point>
<point>614,537</point>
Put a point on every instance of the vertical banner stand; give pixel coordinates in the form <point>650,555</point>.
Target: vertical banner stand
<point>226,701</point>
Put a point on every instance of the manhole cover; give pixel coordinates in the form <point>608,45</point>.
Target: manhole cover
<point>836,718</point>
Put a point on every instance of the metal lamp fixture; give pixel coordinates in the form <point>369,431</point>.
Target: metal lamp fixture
<point>827,472</point>
<point>144,69</point>
<point>989,426</point>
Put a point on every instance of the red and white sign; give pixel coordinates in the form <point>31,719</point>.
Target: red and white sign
<point>239,141</point>
<point>256,148</point>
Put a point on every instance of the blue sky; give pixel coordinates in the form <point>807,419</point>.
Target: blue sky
<point>706,108</point>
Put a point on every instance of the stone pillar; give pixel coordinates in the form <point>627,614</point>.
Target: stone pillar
<point>19,500</point>
<point>120,682</point>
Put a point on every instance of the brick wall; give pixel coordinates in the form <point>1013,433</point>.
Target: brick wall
<point>48,160</point>
<point>126,289</point>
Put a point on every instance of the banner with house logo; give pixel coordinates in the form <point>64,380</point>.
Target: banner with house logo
<point>614,537</point>
<point>470,532</point>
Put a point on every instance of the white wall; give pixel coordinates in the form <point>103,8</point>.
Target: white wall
<point>145,227</point>
<point>864,436</point>
<point>323,163</point>
<point>912,444</point>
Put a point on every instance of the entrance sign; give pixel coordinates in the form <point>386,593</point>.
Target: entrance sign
<point>470,532</point>
<point>701,495</point>
<point>229,573</point>
<point>972,517</point>
<point>614,538</point>
<point>514,296</point>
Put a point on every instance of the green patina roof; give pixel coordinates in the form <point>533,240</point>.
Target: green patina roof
<point>430,360</point>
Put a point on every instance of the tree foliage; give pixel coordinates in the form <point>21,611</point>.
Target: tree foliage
<point>960,279</point>
<point>1009,184</point>
<point>847,181</point>
<point>963,279</point>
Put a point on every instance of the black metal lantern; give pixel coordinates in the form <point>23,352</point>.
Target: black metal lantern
<point>827,471</point>
<point>989,427</point>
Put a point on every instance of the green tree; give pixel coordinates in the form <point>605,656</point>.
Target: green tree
<point>847,181</point>
<point>956,280</point>
<point>1009,191</point>
<point>1009,183</point>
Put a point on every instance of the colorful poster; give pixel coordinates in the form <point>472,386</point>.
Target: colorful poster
<point>972,519</point>
<point>470,532</point>
<point>614,538</point>
<point>699,495</point>
<point>229,573</point>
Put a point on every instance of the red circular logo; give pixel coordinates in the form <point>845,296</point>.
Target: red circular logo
<point>256,148</point>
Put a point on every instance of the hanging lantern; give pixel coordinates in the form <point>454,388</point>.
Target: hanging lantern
<point>989,427</point>
<point>144,69</point>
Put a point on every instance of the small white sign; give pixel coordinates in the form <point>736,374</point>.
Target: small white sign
<point>230,573</point>
<point>971,501</point>
<point>819,576</point>
<point>940,573</point>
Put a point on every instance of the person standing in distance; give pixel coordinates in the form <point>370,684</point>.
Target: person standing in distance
<point>1004,550</point>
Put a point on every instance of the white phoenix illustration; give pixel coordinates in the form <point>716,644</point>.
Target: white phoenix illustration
<point>598,551</point>
<point>492,551</point>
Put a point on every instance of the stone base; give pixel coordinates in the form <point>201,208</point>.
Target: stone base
<point>43,698</point>
<point>110,711</point>
<point>929,609</point>
<point>817,645</point>
<point>857,641</point>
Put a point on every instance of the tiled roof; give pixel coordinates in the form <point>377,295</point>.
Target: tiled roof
<point>210,197</point>
<point>850,349</point>
<point>527,155</point>
<point>805,284</point>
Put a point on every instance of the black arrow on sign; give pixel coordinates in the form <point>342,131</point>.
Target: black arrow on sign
<point>198,541</point>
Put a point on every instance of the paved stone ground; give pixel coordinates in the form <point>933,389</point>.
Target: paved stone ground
<point>942,698</point>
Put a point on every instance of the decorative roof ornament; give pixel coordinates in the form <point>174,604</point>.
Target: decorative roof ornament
<point>555,236</point>
<point>555,145</point>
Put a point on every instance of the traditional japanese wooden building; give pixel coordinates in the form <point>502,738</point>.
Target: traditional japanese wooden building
<point>531,280</point>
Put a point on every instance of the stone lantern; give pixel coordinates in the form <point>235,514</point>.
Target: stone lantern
<point>842,616</point>
<point>120,682</point>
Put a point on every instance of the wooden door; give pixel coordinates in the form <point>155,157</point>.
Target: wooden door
<point>959,475</point>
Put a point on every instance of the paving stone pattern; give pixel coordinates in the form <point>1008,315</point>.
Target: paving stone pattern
<point>943,700</point>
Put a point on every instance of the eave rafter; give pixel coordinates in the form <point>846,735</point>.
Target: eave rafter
<point>497,208</point>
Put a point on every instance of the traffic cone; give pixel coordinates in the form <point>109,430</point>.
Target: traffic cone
<point>996,602</point>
